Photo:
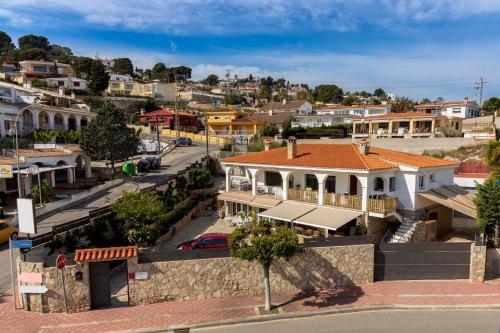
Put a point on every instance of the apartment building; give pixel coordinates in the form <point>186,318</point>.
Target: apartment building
<point>120,84</point>
<point>298,107</point>
<point>359,110</point>
<point>457,109</point>
<point>227,122</point>
<point>43,69</point>
<point>68,82</point>
<point>162,91</point>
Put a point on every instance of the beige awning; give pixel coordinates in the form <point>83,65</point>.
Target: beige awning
<point>287,211</point>
<point>265,202</point>
<point>260,201</point>
<point>327,218</point>
<point>453,197</point>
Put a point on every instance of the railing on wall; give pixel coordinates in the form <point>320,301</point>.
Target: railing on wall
<point>343,200</point>
<point>303,195</point>
<point>383,206</point>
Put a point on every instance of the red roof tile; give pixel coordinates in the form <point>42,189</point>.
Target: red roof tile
<point>105,254</point>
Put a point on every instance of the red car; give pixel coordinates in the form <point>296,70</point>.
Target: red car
<point>207,241</point>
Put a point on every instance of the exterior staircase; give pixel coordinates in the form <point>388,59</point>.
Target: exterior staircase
<point>404,232</point>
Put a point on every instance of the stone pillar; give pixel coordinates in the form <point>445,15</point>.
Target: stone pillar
<point>477,263</point>
<point>389,130</point>
<point>253,173</point>
<point>284,178</point>
<point>412,126</point>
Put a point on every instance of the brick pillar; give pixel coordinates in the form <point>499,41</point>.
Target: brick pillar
<point>477,263</point>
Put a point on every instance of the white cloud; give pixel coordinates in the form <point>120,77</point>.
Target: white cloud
<point>12,19</point>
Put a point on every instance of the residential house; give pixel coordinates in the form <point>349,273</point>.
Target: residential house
<point>481,128</point>
<point>165,118</point>
<point>458,109</point>
<point>120,84</point>
<point>358,110</point>
<point>298,107</point>
<point>163,91</point>
<point>43,69</point>
<point>271,118</point>
<point>333,187</point>
<point>407,125</point>
<point>319,120</point>
<point>193,96</point>
<point>228,122</point>
<point>68,82</point>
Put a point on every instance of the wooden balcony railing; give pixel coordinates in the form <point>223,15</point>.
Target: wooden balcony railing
<point>301,195</point>
<point>341,200</point>
<point>383,206</point>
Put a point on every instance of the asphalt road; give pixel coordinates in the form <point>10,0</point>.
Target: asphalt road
<point>171,163</point>
<point>405,321</point>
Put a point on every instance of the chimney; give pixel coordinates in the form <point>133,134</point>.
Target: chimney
<point>466,100</point>
<point>61,90</point>
<point>28,85</point>
<point>292,147</point>
<point>143,111</point>
<point>284,101</point>
<point>267,144</point>
<point>270,112</point>
<point>364,146</point>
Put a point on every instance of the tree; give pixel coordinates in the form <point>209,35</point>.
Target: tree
<point>265,92</point>
<point>60,53</point>
<point>402,104</point>
<point>81,66</point>
<point>123,66</point>
<point>32,54</point>
<point>488,207</point>
<point>33,42</point>
<point>350,100</point>
<point>235,99</point>
<point>287,127</point>
<point>47,192</point>
<point>328,93</point>
<point>108,137</point>
<point>379,92</point>
<point>200,177</point>
<point>5,44</point>
<point>305,95</point>
<point>491,105</point>
<point>136,208</point>
<point>98,78</point>
<point>182,73</point>
<point>440,99</point>
<point>425,100</point>
<point>212,80</point>
<point>493,156</point>
<point>159,71</point>
<point>262,242</point>
<point>269,130</point>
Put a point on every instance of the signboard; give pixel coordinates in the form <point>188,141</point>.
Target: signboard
<point>30,277</point>
<point>44,146</point>
<point>22,244</point>
<point>23,289</point>
<point>6,171</point>
<point>141,275</point>
<point>26,216</point>
<point>61,261</point>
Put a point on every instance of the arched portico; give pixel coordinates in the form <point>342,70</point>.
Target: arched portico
<point>43,120</point>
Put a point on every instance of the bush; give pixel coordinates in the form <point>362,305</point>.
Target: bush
<point>47,193</point>
<point>141,234</point>
<point>269,130</point>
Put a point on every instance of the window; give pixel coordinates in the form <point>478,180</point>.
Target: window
<point>76,84</point>
<point>330,184</point>
<point>457,124</point>
<point>273,178</point>
<point>312,182</point>
<point>392,184</point>
<point>432,178</point>
<point>3,226</point>
<point>421,182</point>
<point>378,185</point>
<point>457,110</point>
<point>40,69</point>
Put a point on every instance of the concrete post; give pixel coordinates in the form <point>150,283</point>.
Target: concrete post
<point>253,172</point>
<point>321,188</point>
<point>389,130</point>
<point>364,192</point>
<point>228,179</point>
<point>71,178</point>
<point>412,126</point>
<point>88,168</point>
<point>52,178</point>
<point>284,178</point>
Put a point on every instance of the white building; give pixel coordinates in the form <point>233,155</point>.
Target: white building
<point>298,107</point>
<point>69,82</point>
<point>162,91</point>
<point>330,186</point>
<point>320,120</point>
<point>459,109</point>
<point>120,77</point>
<point>364,110</point>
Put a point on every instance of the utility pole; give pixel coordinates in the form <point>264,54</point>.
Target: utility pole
<point>228,77</point>
<point>480,87</point>
<point>176,109</point>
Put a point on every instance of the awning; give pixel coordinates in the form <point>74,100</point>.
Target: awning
<point>260,201</point>
<point>453,197</point>
<point>41,169</point>
<point>287,211</point>
<point>328,218</point>
<point>265,202</point>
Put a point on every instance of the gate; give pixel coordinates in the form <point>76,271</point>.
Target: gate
<point>100,284</point>
<point>422,261</point>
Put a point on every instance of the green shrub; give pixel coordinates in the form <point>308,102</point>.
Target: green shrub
<point>47,193</point>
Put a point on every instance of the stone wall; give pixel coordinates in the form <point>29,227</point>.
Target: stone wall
<point>493,262</point>
<point>425,231</point>
<point>77,292</point>
<point>477,263</point>
<point>377,227</point>
<point>322,267</point>
<point>444,217</point>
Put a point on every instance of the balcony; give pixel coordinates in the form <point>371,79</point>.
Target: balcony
<point>383,205</point>
<point>343,200</point>
<point>301,195</point>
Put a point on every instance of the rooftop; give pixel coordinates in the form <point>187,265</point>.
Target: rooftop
<point>283,106</point>
<point>165,112</point>
<point>401,115</point>
<point>355,106</point>
<point>442,104</point>
<point>339,156</point>
<point>275,118</point>
<point>108,253</point>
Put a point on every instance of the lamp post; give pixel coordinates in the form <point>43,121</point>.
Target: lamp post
<point>16,121</point>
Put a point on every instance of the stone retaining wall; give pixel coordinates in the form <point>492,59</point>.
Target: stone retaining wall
<point>477,263</point>
<point>77,292</point>
<point>321,267</point>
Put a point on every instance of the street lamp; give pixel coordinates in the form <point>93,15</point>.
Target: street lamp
<point>16,121</point>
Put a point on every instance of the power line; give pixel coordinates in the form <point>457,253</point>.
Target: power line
<point>480,87</point>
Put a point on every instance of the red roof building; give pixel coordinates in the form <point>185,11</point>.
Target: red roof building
<point>166,119</point>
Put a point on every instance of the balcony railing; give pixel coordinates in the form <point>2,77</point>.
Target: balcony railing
<point>301,195</point>
<point>342,200</point>
<point>386,205</point>
<point>271,190</point>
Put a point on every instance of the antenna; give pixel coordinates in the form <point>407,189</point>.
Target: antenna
<point>480,86</point>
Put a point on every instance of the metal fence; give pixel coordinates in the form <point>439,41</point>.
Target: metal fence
<point>147,256</point>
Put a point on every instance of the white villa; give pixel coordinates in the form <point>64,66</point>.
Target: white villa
<point>458,109</point>
<point>334,187</point>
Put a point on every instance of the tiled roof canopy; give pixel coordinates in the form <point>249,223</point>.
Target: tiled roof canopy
<point>106,254</point>
<point>339,156</point>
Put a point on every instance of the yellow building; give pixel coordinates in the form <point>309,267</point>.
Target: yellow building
<point>120,87</point>
<point>231,122</point>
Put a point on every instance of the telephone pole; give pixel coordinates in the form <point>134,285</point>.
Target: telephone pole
<point>228,77</point>
<point>480,87</point>
<point>176,108</point>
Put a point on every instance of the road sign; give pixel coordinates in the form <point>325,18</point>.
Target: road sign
<point>6,171</point>
<point>30,277</point>
<point>141,275</point>
<point>26,215</point>
<point>61,261</point>
<point>22,244</point>
<point>32,289</point>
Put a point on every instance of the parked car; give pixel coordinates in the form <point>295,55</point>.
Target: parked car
<point>144,166</point>
<point>155,161</point>
<point>206,241</point>
<point>6,231</point>
<point>185,141</point>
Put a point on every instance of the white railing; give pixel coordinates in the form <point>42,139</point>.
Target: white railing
<point>273,190</point>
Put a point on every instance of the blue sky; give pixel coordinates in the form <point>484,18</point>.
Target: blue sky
<point>419,48</point>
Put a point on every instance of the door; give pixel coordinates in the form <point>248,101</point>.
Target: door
<point>353,185</point>
<point>100,285</point>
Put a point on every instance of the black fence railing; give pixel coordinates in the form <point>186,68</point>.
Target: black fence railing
<point>338,241</point>
<point>147,256</point>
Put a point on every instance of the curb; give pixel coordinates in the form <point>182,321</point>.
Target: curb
<point>296,315</point>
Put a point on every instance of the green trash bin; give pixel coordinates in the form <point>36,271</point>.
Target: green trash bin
<point>129,169</point>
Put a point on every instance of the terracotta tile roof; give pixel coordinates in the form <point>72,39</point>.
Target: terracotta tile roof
<point>339,156</point>
<point>281,106</point>
<point>441,104</point>
<point>107,253</point>
<point>244,119</point>
<point>8,160</point>
<point>164,112</point>
<point>275,118</point>
<point>31,153</point>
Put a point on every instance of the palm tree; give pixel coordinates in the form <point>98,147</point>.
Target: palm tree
<point>403,104</point>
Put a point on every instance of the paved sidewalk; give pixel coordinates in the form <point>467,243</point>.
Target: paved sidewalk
<point>218,310</point>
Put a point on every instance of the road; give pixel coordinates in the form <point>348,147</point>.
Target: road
<point>171,163</point>
<point>405,321</point>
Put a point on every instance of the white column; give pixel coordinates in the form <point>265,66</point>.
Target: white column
<point>78,121</point>
<point>88,168</point>
<point>71,176</point>
<point>27,183</point>
<point>321,188</point>
<point>65,122</point>
<point>253,172</point>
<point>52,178</point>
<point>284,178</point>
<point>35,114</point>
<point>228,179</point>
<point>364,192</point>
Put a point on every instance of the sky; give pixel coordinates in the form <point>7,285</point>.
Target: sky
<point>414,48</point>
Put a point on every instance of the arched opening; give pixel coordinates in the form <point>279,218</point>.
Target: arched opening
<point>72,123</point>
<point>354,185</point>
<point>43,120</point>
<point>303,186</point>
<point>83,122</point>
<point>58,121</point>
<point>378,184</point>
<point>27,122</point>
<point>61,175</point>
